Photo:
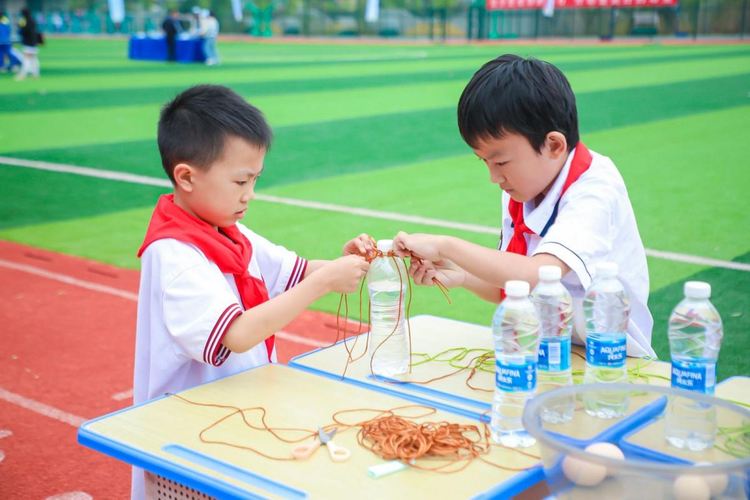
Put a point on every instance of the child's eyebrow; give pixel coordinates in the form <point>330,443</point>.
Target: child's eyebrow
<point>251,173</point>
<point>490,157</point>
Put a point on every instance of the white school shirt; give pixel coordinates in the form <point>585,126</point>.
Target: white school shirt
<point>185,307</point>
<point>594,223</point>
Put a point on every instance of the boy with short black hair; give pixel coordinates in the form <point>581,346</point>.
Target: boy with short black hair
<point>213,292</point>
<point>563,205</point>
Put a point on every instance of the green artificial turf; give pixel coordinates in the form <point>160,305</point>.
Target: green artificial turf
<point>375,127</point>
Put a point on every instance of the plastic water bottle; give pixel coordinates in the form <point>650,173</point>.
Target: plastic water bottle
<point>515,329</point>
<point>695,335</point>
<point>554,309</point>
<point>386,282</point>
<point>606,308</point>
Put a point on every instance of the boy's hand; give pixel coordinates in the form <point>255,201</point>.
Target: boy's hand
<point>448,273</point>
<point>424,246</point>
<point>343,274</point>
<point>362,245</point>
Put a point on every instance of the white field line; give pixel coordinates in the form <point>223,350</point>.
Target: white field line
<point>69,280</point>
<point>364,212</point>
<point>41,408</point>
<point>407,56</point>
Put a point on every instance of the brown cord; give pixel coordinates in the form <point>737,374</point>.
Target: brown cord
<point>345,302</point>
<point>390,434</point>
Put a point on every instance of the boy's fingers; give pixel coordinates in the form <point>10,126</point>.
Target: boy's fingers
<point>412,269</point>
<point>419,274</point>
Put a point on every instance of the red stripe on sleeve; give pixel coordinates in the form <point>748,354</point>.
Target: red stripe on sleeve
<point>291,275</point>
<point>302,271</point>
<point>212,351</point>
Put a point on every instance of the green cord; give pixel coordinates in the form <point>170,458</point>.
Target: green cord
<point>485,362</point>
<point>737,439</point>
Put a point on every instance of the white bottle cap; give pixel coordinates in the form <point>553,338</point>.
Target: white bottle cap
<point>607,270</point>
<point>697,290</point>
<point>548,273</point>
<point>516,288</point>
<point>385,245</point>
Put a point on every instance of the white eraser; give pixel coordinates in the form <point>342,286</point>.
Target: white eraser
<point>381,470</point>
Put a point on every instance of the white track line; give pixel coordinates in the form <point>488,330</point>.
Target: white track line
<point>41,408</point>
<point>299,339</point>
<point>120,396</point>
<point>364,212</point>
<point>71,495</point>
<point>69,280</point>
<point>291,337</point>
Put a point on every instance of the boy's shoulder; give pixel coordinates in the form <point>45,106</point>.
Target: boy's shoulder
<point>602,176</point>
<point>170,257</point>
<point>256,240</point>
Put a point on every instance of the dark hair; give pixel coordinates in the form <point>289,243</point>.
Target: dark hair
<point>194,125</point>
<point>511,94</point>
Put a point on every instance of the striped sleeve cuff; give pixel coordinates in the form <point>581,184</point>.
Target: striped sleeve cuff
<point>214,353</point>
<point>298,272</point>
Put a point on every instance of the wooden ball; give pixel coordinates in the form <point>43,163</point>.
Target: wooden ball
<point>584,473</point>
<point>689,487</point>
<point>717,483</point>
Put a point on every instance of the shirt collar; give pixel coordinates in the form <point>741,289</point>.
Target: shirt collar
<point>537,217</point>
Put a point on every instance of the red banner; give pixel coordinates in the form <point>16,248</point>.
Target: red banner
<point>576,4</point>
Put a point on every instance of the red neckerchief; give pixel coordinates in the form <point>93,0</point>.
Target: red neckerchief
<point>230,251</point>
<point>581,162</point>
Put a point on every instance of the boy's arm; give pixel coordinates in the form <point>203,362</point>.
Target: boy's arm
<point>487,264</point>
<point>255,325</point>
<point>314,265</point>
<point>451,276</point>
<point>361,245</point>
<point>482,289</point>
<point>495,266</point>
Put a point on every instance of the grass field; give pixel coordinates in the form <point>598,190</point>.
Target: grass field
<point>374,127</point>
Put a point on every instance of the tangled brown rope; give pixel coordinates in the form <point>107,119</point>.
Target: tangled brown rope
<point>397,438</point>
<point>391,434</point>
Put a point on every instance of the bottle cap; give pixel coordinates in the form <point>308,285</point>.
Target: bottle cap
<point>697,290</point>
<point>385,245</point>
<point>547,273</point>
<point>516,289</point>
<point>607,270</point>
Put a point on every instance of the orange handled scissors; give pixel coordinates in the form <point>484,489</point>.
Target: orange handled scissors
<point>337,453</point>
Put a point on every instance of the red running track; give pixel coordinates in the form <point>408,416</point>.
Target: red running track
<point>67,344</point>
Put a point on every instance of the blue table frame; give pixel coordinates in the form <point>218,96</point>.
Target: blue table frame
<point>161,436</point>
<point>432,334</point>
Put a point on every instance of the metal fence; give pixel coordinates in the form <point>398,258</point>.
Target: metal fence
<point>464,19</point>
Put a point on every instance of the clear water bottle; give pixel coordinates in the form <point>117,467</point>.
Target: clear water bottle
<point>606,308</point>
<point>515,329</point>
<point>554,308</point>
<point>386,283</point>
<point>695,335</point>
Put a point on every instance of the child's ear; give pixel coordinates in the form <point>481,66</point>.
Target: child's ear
<point>184,176</point>
<point>557,145</point>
